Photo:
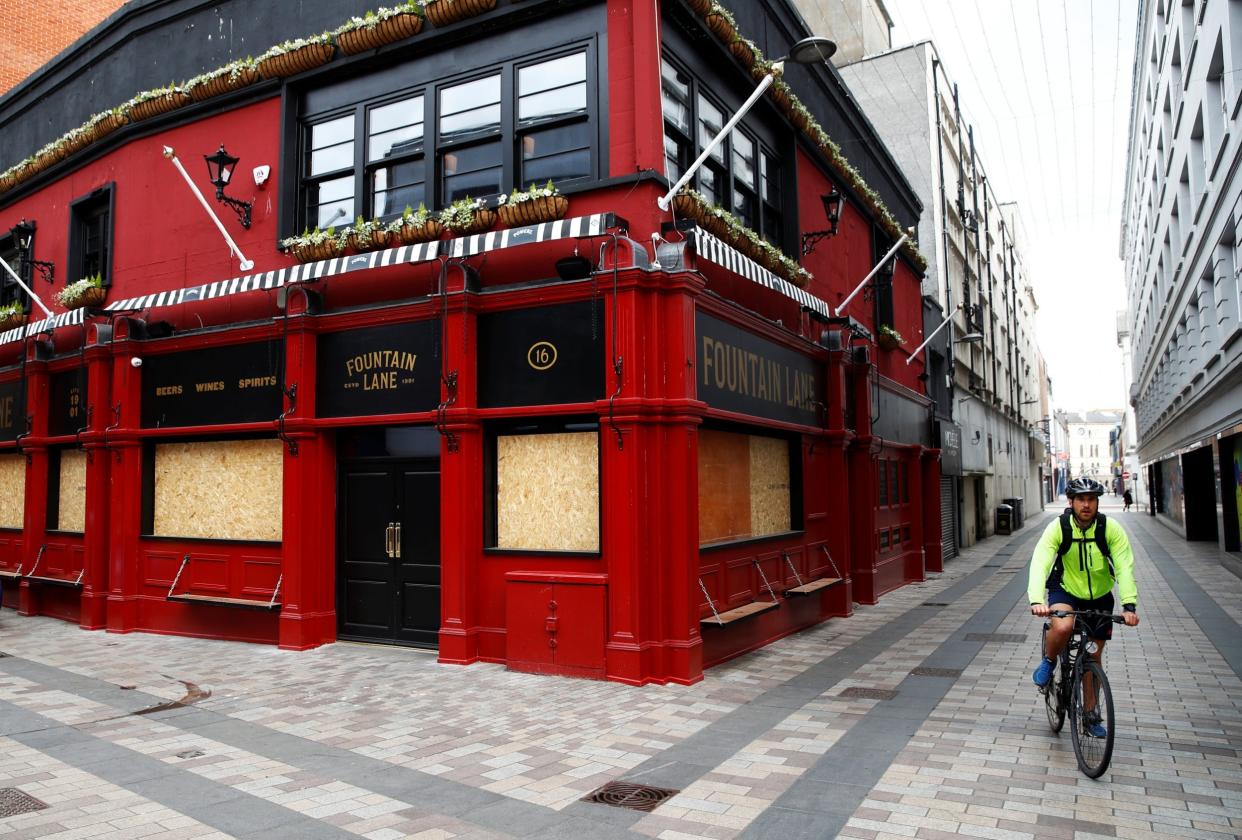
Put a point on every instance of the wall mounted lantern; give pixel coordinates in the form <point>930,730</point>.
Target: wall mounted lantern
<point>23,238</point>
<point>220,167</point>
<point>833,202</point>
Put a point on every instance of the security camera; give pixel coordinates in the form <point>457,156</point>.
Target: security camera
<point>136,362</point>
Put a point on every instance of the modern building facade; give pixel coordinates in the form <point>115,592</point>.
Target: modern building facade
<point>626,443</point>
<point>1179,241</point>
<point>1092,445</point>
<point>984,371</point>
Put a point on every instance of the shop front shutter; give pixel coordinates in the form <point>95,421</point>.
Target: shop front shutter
<point>948,518</point>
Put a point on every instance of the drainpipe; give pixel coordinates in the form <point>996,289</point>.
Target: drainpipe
<point>944,230</point>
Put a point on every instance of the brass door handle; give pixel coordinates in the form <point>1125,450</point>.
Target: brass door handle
<point>397,542</point>
<point>388,539</point>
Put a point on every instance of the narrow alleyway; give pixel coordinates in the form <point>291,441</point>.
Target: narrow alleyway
<point>827,733</point>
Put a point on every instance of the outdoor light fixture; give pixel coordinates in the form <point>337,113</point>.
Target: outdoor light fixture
<point>807,51</point>
<point>171,155</point>
<point>23,237</point>
<point>220,167</point>
<point>970,338</point>
<point>833,202</point>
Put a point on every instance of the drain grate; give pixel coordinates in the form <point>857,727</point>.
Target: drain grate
<point>936,672</point>
<point>1003,638</point>
<point>936,604</point>
<point>191,754</point>
<point>860,693</point>
<point>14,802</point>
<point>629,795</point>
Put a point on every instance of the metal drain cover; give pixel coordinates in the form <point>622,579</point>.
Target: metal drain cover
<point>936,672</point>
<point>1010,638</point>
<point>14,802</point>
<point>860,693</point>
<point>936,603</point>
<point>191,754</point>
<point>629,795</point>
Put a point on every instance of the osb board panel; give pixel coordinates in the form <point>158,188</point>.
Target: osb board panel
<point>724,486</point>
<point>223,490</point>
<point>769,486</point>
<point>72,510</point>
<point>547,492</point>
<point>12,490</point>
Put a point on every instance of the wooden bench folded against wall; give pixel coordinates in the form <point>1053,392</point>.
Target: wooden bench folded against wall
<point>810,587</point>
<point>53,581</point>
<point>723,619</point>
<point>220,600</point>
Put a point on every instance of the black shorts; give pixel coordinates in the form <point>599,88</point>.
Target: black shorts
<point>1097,628</point>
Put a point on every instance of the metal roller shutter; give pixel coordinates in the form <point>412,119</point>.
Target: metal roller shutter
<point>948,517</point>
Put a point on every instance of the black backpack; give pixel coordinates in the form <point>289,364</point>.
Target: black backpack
<point>1067,538</point>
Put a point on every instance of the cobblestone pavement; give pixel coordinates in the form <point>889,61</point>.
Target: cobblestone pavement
<point>376,742</point>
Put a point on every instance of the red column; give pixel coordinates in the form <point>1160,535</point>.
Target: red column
<point>94,615</point>
<point>35,521</point>
<point>916,559</point>
<point>120,441</point>
<point>862,490</point>
<point>933,548</point>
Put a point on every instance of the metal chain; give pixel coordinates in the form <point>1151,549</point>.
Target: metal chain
<point>709,601</point>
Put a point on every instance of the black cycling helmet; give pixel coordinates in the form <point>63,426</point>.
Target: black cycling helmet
<point>1084,486</point>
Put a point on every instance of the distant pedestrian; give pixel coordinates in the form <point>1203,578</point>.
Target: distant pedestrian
<point>1128,498</point>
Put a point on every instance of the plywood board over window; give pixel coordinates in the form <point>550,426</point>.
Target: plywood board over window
<point>219,490</point>
<point>745,486</point>
<point>547,492</point>
<point>12,491</point>
<point>71,511</point>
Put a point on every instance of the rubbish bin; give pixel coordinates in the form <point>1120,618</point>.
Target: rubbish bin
<point>1004,519</point>
<point>1019,518</point>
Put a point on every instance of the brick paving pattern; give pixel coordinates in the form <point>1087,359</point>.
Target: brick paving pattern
<point>795,740</point>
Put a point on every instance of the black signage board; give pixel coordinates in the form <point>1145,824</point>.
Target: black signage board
<point>393,369</point>
<point>12,410</point>
<point>551,355</point>
<point>238,383</point>
<point>900,419</point>
<point>950,448</point>
<point>741,372</point>
<point>66,411</point>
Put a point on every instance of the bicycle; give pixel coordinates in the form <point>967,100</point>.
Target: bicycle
<point>1078,679</point>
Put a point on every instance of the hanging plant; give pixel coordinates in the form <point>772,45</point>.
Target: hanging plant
<point>233,76</point>
<point>888,338</point>
<point>297,56</point>
<point>467,216</point>
<point>414,226</point>
<point>532,206</point>
<point>88,291</point>
<point>445,12</point>
<point>367,236</point>
<point>720,21</point>
<point>11,317</point>
<point>152,103</point>
<point>744,51</point>
<point>383,26</point>
<point>314,245</point>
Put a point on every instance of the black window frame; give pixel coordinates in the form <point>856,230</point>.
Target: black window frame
<point>764,154</point>
<point>10,291</point>
<point>97,207</point>
<point>361,95</point>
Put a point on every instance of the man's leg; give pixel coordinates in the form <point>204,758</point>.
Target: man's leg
<point>1088,679</point>
<point>1058,632</point>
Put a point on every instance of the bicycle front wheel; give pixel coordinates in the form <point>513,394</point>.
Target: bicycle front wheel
<point>1053,705</point>
<point>1091,720</point>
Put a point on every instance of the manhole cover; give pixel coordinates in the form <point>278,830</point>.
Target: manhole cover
<point>991,565</point>
<point>191,754</point>
<point>14,802</point>
<point>936,672</point>
<point>1010,638</point>
<point>860,693</point>
<point>935,603</point>
<point>628,795</point>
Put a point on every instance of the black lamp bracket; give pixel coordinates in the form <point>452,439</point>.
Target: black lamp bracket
<point>241,208</point>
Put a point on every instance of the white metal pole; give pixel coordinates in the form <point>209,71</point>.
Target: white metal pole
<point>927,340</point>
<point>25,288</point>
<point>878,266</point>
<point>778,67</point>
<point>245,264</point>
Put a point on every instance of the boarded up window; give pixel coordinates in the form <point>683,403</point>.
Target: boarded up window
<point>744,486</point>
<point>71,507</point>
<point>219,490</point>
<point>547,491</point>
<point>12,491</point>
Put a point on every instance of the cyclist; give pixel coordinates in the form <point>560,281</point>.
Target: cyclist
<point>1078,567</point>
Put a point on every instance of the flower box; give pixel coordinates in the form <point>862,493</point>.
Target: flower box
<point>371,241</point>
<point>366,37</point>
<point>313,252</point>
<point>544,208</point>
<point>12,321</point>
<point>223,83</point>
<point>156,105</point>
<point>92,297</point>
<point>412,234</point>
<point>445,12</point>
<point>483,219</point>
<point>887,341</point>
<point>297,60</point>
<point>721,26</point>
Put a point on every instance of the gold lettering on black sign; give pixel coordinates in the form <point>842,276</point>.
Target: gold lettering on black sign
<point>6,412</point>
<point>75,403</point>
<point>256,382</point>
<point>745,372</point>
<point>206,387</point>
<point>379,370</point>
<point>168,390</point>
<point>541,355</point>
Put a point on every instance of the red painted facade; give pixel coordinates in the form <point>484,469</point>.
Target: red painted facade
<point>631,611</point>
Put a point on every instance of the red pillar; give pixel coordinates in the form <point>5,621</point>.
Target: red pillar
<point>916,557</point>
<point>35,520</point>
<point>94,610</point>
<point>933,548</point>
<point>862,490</point>
<point>121,443</point>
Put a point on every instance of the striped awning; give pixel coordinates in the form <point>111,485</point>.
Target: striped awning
<point>465,246</point>
<point>713,250</point>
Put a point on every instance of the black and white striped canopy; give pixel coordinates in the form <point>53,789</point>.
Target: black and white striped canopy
<point>713,250</point>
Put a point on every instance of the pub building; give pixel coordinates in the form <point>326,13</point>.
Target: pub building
<point>611,445</point>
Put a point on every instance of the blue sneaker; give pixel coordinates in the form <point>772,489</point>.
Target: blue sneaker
<point>1043,674</point>
<point>1092,724</point>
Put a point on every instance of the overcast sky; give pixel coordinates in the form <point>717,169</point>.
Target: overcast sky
<point>1046,85</point>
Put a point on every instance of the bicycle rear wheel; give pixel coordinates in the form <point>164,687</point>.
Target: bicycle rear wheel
<point>1091,701</point>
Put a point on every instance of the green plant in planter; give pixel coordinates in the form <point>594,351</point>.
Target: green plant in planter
<point>467,214</point>
<point>311,238</point>
<point>410,218</point>
<point>373,19</point>
<point>891,335</point>
<point>72,295</point>
<point>11,310</point>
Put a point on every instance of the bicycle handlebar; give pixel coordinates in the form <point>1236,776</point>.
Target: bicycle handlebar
<point>1115,619</point>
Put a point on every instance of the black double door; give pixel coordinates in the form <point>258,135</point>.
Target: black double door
<point>388,538</point>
